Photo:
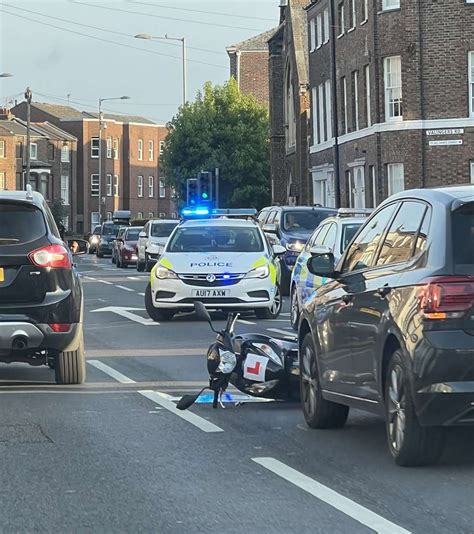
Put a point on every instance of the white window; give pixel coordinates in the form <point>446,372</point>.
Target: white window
<point>2,148</point>
<point>319,28</point>
<point>33,151</point>
<point>323,187</point>
<point>109,147</point>
<point>162,146</point>
<point>352,14</point>
<point>151,150</point>
<point>95,219</point>
<point>367,95</point>
<point>315,116</point>
<point>2,181</point>
<point>312,35</point>
<point>373,180</point>
<point>116,149</point>
<point>65,189</point>
<point>341,19</point>
<point>116,186</point>
<point>162,189</point>
<point>140,186</point>
<point>151,215</point>
<point>328,109</point>
<point>322,129</point>
<point>109,215</point>
<point>140,215</point>
<point>65,153</point>
<point>140,149</point>
<point>390,4</point>
<point>95,146</point>
<point>326,25</point>
<point>151,184</point>
<point>365,11</point>
<point>290,112</point>
<point>471,84</point>
<point>355,96</point>
<point>396,178</point>
<point>94,185</point>
<point>344,104</point>
<point>393,87</point>
<point>109,185</point>
<point>472,172</point>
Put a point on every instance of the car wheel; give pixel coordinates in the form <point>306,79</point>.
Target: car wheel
<point>148,265</point>
<point>294,310</point>
<point>117,262</point>
<point>274,310</point>
<point>410,444</point>
<point>70,366</point>
<point>140,266</point>
<point>318,412</point>
<point>155,313</point>
<point>99,254</point>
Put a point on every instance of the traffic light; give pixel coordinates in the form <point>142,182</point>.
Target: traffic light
<point>205,186</point>
<point>192,191</point>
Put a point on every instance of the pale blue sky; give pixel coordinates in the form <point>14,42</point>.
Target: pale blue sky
<point>57,63</point>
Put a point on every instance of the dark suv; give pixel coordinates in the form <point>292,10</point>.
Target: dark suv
<point>392,331</point>
<point>40,291</point>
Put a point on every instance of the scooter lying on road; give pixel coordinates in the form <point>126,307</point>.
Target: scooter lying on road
<point>255,364</point>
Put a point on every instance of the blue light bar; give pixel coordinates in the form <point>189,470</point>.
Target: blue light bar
<point>199,211</point>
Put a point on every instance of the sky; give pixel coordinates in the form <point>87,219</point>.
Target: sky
<point>81,65</point>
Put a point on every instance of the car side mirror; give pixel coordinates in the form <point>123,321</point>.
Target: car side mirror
<point>322,264</point>
<point>142,234</point>
<point>278,250</point>
<point>78,246</point>
<point>270,228</point>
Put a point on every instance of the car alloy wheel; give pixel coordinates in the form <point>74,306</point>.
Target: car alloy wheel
<point>396,408</point>
<point>309,381</point>
<point>295,311</point>
<point>275,308</point>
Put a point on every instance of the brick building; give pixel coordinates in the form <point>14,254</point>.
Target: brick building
<point>130,163</point>
<point>52,161</point>
<point>289,106</point>
<point>249,66</point>
<point>392,97</point>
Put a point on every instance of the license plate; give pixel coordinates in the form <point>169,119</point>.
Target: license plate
<point>210,293</point>
<point>2,274</point>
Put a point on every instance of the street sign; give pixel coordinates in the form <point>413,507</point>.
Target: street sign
<point>446,142</point>
<point>446,131</point>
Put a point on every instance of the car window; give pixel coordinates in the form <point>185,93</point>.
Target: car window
<point>146,228</point>
<point>110,229</point>
<point>399,243</point>
<point>20,223</point>
<point>271,217</point>
<point>321,235</point>
<point>163,229</point>
<point>423,233</point>
<point>132,234</point>
<point>262,215</point>
<point>348,232</point>
<point>302,220</point>
<point>216,239</point>
<point>330,238</point>
<point>362,251</point>
<point>463,239</point>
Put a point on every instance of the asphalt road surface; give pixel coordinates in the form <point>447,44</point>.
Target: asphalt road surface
<point>115,456</point>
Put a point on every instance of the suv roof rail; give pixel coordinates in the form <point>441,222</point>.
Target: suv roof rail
<point>29,192</point>
<point>353,212</point>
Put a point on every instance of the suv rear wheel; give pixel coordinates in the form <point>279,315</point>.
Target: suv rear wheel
<point>157,314</point>
<point>318,412</point>
<point>294,309</point>
<point>409,443</point>
<point>70,366</point>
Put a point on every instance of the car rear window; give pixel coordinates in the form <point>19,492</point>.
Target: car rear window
<point>110,229</point>
<point>132,234</point>
<point>20,223</point>
<point>463,239</point>
<point>304,221</point>
<point>163,229</point>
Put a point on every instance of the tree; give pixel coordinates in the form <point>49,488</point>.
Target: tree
<point>226,129</point>
<point>59,212</point>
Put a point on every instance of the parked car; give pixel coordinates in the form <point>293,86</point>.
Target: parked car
<point>152,241</point>
<point>127,246</point>
<point>392,331</point>
<point>109,231</point>
<point>114,245</point>
<point>291,227</point>
<point>41,302</point>
<point>94,239</point>
<point>332,235</point>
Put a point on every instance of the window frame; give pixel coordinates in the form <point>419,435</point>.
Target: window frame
<point>116,186</point>
<point>352,15</point>
<point>314,95</point>
<point>344,103</point>
<point>65,154</point>
<point>355,100</point>
<point>365,12</point>
<point>470,62</point>
<point>66,198</point>
<point>390,167</point>
<point>140,186</point>
<point>386,7</point>
<point>319,31</point>
<point>328,102</point>
<point>341,20</point>
<point>115,148</point>
<point>151,150</point>
<point>321,113</point>
<point>312,35</point>
<point>109,147</point>
<point>3,180</point>
<point>368,96</point>
<point>162,188</point>
<point>94,186</point>
<point>109,185</point>
<point>151,186</point>
<point>326,25</point>
<point>162,147</point>
<point>3,148</point>
<point>35,151</point>
<point>140,149</point>
<point>389,88</point>
<point>95,150</point>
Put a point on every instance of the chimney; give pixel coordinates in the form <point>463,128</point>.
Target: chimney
<point>6,114</point>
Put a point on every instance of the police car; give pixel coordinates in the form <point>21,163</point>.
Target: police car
<point>225,263</point>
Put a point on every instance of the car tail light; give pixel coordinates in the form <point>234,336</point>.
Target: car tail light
<point>52,256</point>
<point>60,327</point>
<point>446,297</point>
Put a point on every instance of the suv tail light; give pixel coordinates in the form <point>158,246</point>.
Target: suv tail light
<point>446,297</point>
<point>52,256</point>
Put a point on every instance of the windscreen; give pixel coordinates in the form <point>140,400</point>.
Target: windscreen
<point>348,232</point>
<point>222,239</point>
<point>463,239</point>
<point>162,229</point>
<point>110,229</point>
<point>303,221</point>
<point>20,223</point>
<point>132,234</point>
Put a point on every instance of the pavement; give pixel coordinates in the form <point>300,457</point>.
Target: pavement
<point>114,455</point>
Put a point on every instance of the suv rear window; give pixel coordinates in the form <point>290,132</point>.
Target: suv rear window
<point>463,239</point>
<point>20,223</point>
<point>304,221</point>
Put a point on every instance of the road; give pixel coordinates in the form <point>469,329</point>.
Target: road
<point>114,455</point>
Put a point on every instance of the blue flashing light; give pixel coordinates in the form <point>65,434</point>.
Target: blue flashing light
<point>226,276</point>
<point>195,211</point>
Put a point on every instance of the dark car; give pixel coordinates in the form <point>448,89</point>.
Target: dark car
<point>108,233</point>
<point>126,249</point>
<point>41,303</point>
<point>392,332</point>
<point>115,243</point>
<point>291,227</point>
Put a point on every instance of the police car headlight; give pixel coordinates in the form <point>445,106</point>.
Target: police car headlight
<point>165,274</point>
<point>259,272</point>
<point>296,246</point>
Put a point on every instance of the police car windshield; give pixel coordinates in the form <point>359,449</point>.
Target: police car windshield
<point>216,239</point>
<point>162,229</point>
<point>303,221</point>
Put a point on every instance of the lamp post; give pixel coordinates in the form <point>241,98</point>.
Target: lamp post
<point>28,98</point>
<point>5,75</point>
<point>182,40</point>
<point>100,147</point>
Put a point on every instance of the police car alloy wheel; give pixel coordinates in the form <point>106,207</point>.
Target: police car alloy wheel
<point>155,313</point>
<point>274,310</point>
<point>295,310</point>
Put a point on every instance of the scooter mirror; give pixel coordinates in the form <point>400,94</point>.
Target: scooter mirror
<point>203,314</point>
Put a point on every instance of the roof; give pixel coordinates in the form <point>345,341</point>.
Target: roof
<point>37,198</point>
<point>259,42</point>
<point>11,128</point>
<point>218,222</point>
<point>53,132</point>
<point>164,221</point>
<point>302,208</point>
<point>118,118</point>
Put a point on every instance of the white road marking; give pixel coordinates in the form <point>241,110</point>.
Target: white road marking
<point>141,294</point>
<point>164,400</point>
<point>128,314</point>
<point>363,515</point>
<point>111,372</point>
<point>124,288</point>
<point>90,278</point>
<point>105,282</point>
<point>246,322</point>
<point>133,278</point>
<point>286,333</point>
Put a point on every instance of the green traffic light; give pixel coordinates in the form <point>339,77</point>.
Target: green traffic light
<point>205,196</point>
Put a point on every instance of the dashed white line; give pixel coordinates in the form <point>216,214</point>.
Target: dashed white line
<point>133,278</point>
<point>345,505</point>
<point>106,282</point>
<point>124,288</point>
<point>111,372</point>
<point>246,322</point>
<point>286,333</point>
<point>90,278</point>
<point>141,294</point>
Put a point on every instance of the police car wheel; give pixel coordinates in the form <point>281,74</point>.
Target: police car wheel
<point>295,309</point>
<point>140,266</point>
<point>274,311</point>
<point>155,313</point>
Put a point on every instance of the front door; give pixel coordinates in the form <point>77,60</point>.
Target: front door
<point>359,187</point>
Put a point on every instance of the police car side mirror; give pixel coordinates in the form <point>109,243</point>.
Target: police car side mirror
<point>270,228</point>
<point>278,250</point>
<point>142,234</point>
<point>321,263</point>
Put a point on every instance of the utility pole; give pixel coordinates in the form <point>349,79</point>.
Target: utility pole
<point>100,160</point>
<point>28,98</point>
<point>185,75</point>
<point>217,187</point>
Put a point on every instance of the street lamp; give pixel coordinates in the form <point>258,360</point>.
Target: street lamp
<point>100,147</point>
<point>5,75</point>
<point>165,37</point>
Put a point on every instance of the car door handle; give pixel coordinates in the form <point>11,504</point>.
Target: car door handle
<point>347,299</point>
<point>382,292</point>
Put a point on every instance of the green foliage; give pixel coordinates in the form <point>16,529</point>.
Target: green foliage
<point>226,129</point>
<point>59,212</point>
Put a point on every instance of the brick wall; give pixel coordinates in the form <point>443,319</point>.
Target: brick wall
<point>253,75</point>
